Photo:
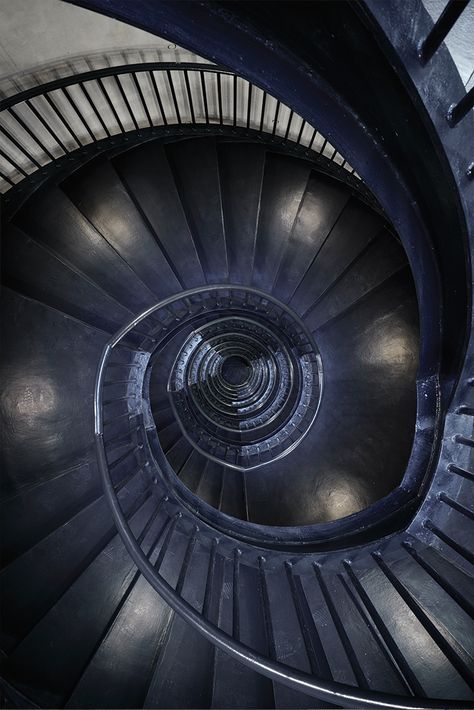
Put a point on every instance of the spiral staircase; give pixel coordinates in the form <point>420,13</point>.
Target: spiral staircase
<point>237,373</point>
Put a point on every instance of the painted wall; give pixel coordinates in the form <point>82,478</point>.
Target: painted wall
<point>459,40</point>
<point>35,33</point>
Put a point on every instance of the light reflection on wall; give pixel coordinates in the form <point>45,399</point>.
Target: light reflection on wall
<point>29,402</point>
<point>393,347</point>
<point>341,494</point>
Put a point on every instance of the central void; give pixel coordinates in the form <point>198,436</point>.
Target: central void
<point>288,396</point>
<point>236,370</point>
<point>244,389</point>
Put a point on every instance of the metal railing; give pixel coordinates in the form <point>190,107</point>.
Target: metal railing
<point>329,690</point>
<point>132,347</point>
<point>41,124</point>
<point>429,45</point>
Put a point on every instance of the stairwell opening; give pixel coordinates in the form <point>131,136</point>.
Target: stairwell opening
<point>317,421</point>
<point>271,590</point>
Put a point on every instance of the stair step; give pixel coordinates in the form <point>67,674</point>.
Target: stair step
<point>69,551</point>
<point>382,258</point>
<point>284,636</point>
<point>192,470</point>
<point>353,231</point>
<point>75,624</point>
<point>414,644</point>
<point>241,168</point>
<point>56,445</point>
<point>147,174</point>
<point>233,497</point>
<point>183,674</point>
<point>116,679</point>
<point>34,513</point>
<point>321,206</point>
<point>235,685</point>
<point>103,199</point>
<point>35,272</point>
<point>250,627</point>
<point>210,485</point>
<point>84,249</point>
<point>372,665</point>
<point>179,454</point>
<point>454,580</point>
<point>195,169</point>
<point>451,621</point>
<point>284,184</point>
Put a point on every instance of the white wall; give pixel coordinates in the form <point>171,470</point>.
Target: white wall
<point>460,40</point>
<point>34,33</point>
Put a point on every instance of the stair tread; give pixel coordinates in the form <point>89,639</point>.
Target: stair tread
<point>192,470</point>
<point>321,205</point>
<point>452,621</point>
<point>235,685</point>
<point>76,622</point>
<point>285,638</point>
<point>70,370</point>
<point>196,173</point>
<point>113,214</point>
<point>414,641</point>
<point>383,258</point>
<point>84,247</point>
<point>284,184</point>
<point>373,668</point>
<point>117,679</point>
<point>33,271</point>
<point>34,513</point>
<point>353,230</point>
<point>210,485</point>
<point>69,550</point>
<point>148,176</point>
<point>241,173</point>
<point>183,673</point>
<point>233,496</point>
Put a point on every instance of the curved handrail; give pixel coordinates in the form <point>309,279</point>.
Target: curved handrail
<point>104,72</point>
<point>98,419</point>
<point>312,536</point>
<point>304,682</point>
<point>43,123</point>
<point>324,689</point>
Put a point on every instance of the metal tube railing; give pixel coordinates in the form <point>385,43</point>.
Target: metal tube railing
<point>46,122</point>
<point>441,29</point>
<point>328,690</point>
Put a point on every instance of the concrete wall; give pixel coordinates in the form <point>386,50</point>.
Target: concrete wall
<point>35,33</point>
<point>460,40</point>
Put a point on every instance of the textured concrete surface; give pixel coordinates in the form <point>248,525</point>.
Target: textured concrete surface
<point>35,33</point>
<point>459,41</point>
